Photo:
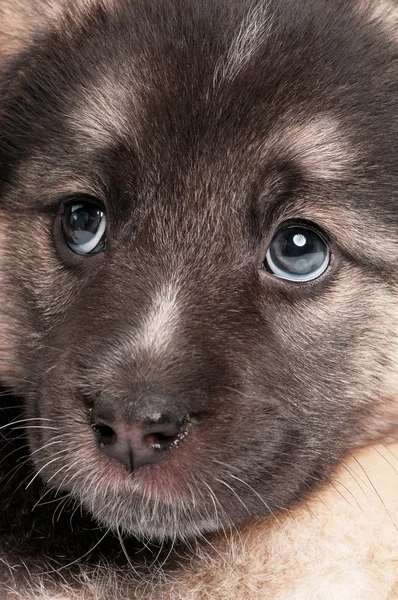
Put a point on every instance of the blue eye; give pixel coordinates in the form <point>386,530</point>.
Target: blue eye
<point>297,253</point>
<point>83,226</point>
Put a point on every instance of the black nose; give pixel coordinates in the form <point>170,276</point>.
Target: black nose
<point>140,442</point>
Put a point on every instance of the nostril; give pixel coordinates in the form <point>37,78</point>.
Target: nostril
<point>162,429</point>
<point>106,435</point>
<point>160,440</point>
<point>138,442</point>
<point>164,434</point>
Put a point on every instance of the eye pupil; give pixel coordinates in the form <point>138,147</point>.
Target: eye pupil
<point>83,226</point>
<point>79,217</point>
<point>297,253</point>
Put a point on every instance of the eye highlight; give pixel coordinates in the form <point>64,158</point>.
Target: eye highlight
<point>83,226</point>
<point>297,253</point>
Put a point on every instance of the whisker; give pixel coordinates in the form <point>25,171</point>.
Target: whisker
<point>17,449</point>
<point>35,427</point>
<point>234,493</point>
<point>386,459</point>
<point>61,506</point>
<point>216,502</point>
<point>80,557</point>
<point>123,547</point>
<point>357,479</point>
<point>58,471</point>
<point>44,467</point>
<point>222,556</point>
<point>172,545</point>
<point>17,467</point>
<point>40,503</point>
<point>70,467</point>
<point>46,446</point>
<point>333,484</point>
<point>74,512</point>
<point>14,422</point>
<point>257,494</point>
<point>375,490</point>
<point>54,348</point>
<point>224,464</point>
<point>10,474</point>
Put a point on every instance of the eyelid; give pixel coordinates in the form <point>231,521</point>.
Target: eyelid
<point>299,222</point>
<point>80,198</point>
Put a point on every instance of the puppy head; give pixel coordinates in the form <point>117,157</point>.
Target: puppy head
<point>198,253</point>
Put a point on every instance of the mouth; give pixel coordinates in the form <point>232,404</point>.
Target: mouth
<point>156,501</point>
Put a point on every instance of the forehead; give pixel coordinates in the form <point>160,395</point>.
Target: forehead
<point>169,75</point>
<point>187,84</point>
<point>208,99</point>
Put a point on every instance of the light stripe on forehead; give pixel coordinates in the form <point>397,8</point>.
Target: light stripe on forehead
<point>102,113</point>
<point>158,327</point>
<point>383,14</point>
<point>252,32</point>
<point>319,145</point>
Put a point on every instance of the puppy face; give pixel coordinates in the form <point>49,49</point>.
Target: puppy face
<point>198,249</point>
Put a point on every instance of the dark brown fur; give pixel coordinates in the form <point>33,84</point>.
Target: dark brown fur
<point>201,126</point>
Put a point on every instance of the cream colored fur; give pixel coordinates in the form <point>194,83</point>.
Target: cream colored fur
<point>342,544</point>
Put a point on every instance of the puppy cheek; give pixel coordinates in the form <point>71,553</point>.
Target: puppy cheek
<point>386,415</point>
<point>381,373</point>
<point>11,371</point>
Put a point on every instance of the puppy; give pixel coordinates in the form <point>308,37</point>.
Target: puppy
<point>199,297</point>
